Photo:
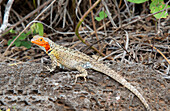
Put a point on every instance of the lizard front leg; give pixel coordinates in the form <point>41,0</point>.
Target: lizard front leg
<point>54,63</point>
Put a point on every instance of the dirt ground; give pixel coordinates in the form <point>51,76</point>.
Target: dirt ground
<point>31,87</point>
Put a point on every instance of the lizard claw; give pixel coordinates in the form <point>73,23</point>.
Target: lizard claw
<point>49,69</point>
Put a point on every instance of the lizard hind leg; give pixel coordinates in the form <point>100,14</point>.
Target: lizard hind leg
<point>82,70</point>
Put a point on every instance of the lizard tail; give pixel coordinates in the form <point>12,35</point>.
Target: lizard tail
<point>111,73</point>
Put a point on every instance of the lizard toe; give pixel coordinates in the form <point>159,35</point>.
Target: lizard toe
<point>49,69</point>
<point>81,75</point>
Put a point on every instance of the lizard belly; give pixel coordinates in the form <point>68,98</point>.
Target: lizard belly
<point>71,64</point>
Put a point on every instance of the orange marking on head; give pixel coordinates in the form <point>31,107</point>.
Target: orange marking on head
<point>41,42</point>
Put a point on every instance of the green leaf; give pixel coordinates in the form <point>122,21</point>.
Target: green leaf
<point>102,15</point>
<point>37,28</point>
<point>33,27</point>
<point>158,5</point>
<point>98,18</point>
<point>28,33</point>
<point>137,1</point>
<point>9,41</point>
<point>14,37</point>
<point>17,43</point>
<point>23,36</point>
<point>40,29</point>
<point>26,44</point>
<point>34,32</point>
<point>12,31</point>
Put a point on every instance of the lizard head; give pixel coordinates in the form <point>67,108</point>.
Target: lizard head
<point>42,42</point>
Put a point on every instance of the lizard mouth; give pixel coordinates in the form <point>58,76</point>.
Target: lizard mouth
<point>38,41</point>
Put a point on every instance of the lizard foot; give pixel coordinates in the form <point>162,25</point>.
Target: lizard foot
<point>81,75</point>
<point>49,69</point>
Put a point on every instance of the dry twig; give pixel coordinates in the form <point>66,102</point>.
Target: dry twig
<point>6,16</point>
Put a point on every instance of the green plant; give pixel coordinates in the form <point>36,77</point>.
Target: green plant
<point>137,1</point>
<point>158,5</point>
<point>21,40</point>
<point>155,6</point>
<point>37,28</point>
<point>102,15</point>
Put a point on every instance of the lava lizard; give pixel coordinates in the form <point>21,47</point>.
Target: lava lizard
<point>74,59</point>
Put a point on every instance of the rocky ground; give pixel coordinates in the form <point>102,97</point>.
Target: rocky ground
<point>31,87</point>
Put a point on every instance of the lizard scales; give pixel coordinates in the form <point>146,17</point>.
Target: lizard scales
<point>74,59</point>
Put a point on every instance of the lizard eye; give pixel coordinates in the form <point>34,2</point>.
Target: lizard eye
<point>40,39</point>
